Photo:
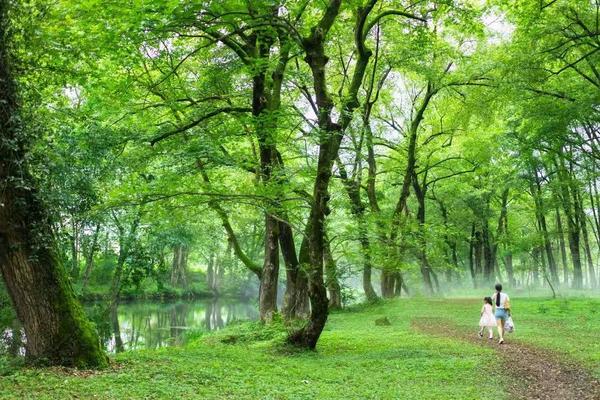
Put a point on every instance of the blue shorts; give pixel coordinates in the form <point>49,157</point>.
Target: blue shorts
<point>501,314</point>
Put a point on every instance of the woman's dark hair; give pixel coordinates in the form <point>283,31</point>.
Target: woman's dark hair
<point>488,300</point>
<point>498,289</point>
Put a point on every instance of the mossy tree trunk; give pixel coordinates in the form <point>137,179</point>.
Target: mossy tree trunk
<point>56,328</point>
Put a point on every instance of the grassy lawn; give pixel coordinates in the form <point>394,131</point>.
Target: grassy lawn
<point>356,359</point>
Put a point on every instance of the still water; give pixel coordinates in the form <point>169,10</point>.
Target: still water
<point>149,324</point>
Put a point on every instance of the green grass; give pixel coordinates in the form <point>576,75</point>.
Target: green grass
<point>355,359</point>
<point>567,326</point>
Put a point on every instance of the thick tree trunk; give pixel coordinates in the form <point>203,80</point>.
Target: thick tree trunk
<point>56,328</point>
<point>309,335</point>
<point>270,271</point>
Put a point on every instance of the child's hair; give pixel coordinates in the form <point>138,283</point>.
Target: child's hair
<point>488,300</point>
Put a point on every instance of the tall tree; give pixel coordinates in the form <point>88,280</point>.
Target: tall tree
<point>56,328</point>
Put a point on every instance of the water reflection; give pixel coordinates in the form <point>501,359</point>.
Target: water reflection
<point>147,324</point>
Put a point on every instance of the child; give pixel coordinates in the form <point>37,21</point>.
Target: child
<point>487,318</point>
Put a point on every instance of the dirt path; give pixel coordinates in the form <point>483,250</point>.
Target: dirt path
<point>536,373</point>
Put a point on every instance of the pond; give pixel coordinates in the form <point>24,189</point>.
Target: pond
<point>149,324</point>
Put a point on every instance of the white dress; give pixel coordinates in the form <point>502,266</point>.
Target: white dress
<point>487,317</point>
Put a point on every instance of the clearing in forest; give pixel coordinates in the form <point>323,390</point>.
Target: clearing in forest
<point>429,351</point>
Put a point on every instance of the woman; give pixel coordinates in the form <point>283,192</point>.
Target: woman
<point>502,303</point>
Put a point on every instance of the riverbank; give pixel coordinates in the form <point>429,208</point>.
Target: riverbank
<point>356,358</point>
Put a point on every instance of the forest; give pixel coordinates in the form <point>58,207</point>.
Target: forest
<point>253,198</point>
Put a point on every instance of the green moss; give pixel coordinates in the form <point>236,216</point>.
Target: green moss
<point>76,343</point>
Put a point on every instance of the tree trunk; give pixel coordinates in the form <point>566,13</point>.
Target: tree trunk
<point>270,271</point>
<point>488,254</point>
<point>399,284</point>
<point>126,239</point>
<point>472,245</point>
<point>588,253</point>
<point>508,257</point>
<point>56,328</point>
<point>387,283</point>
<point>426,270</point>
<point>477,254</point>
<point>508,264</point>
<point>179,266</point>
<point>295,299</point>
<point>332,282</point>
<point>89,257</point>
<point>563,249</point>
<point>535,266</point>
<point>586,241</point>
<point>358,211</point>
<point>75,236</point>
<point>450,252</point>
<point>331,135</point>
<point>595,215</point>
<point>536,192</point>
<point>210,275</point>
<point>572,216</point>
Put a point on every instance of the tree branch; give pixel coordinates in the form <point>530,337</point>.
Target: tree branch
<point>224,110</point>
